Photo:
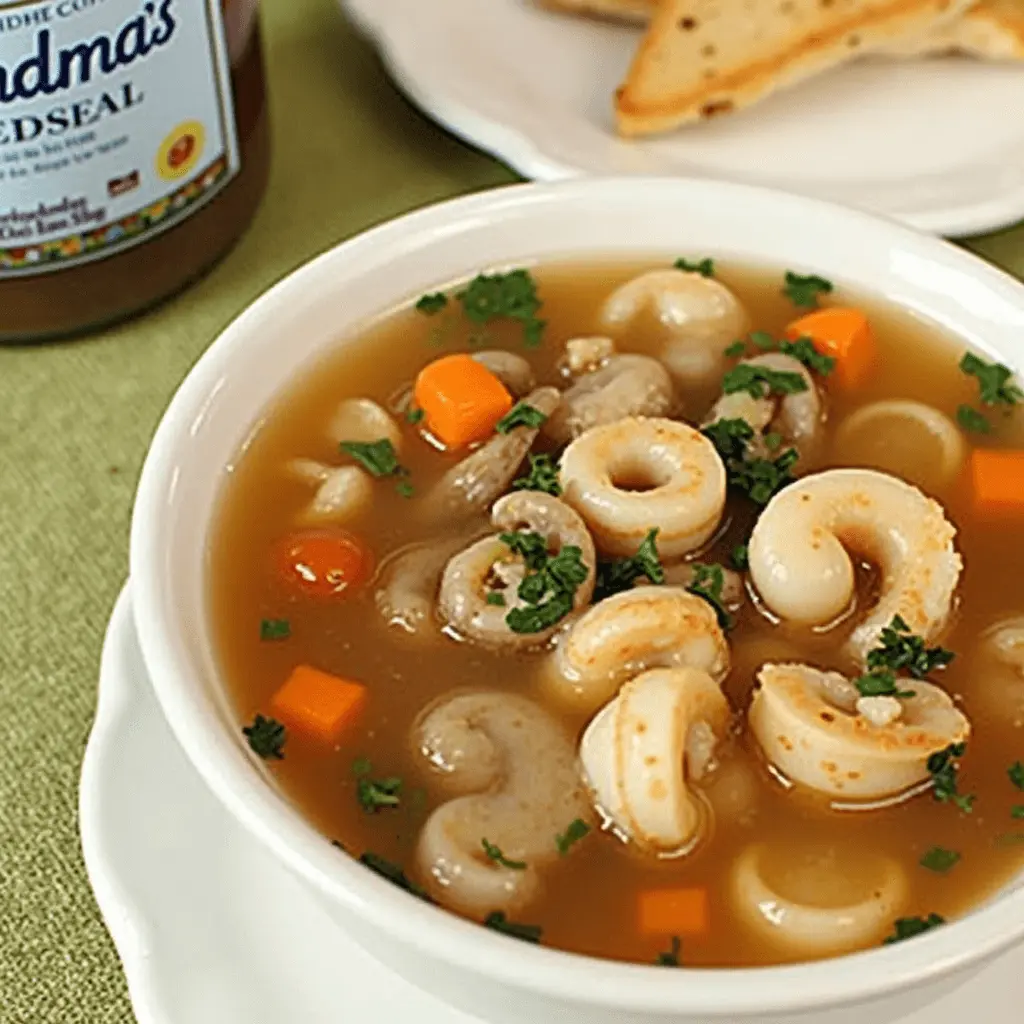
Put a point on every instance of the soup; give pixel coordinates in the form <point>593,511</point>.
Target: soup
<point>663,614</point>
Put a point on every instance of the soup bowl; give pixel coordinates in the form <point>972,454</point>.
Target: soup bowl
<point>316,309</point>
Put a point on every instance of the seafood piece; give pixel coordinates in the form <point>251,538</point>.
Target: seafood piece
<point>642,751</point>
<point>363,420</point>
<point>626,477</point>
<point>819,732</point>
<point>800,565</point>
<point>342,492</point>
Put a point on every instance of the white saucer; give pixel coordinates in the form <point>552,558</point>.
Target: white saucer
<point>935,143</point>
<point>212,932</point>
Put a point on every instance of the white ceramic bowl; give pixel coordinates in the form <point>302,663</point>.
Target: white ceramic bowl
<point>316,309</point>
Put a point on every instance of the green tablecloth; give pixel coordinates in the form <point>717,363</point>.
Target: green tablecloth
<point>75,420</point>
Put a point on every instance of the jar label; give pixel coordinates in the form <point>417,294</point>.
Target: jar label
<point>116,122</point>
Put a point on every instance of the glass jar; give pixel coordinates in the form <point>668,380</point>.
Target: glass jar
<point>134,149</point>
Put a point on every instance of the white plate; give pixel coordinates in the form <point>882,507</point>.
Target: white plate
<point>210,931</point>
<point>935,143</point>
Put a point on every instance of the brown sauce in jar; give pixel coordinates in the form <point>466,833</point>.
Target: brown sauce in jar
<point>88,292</point>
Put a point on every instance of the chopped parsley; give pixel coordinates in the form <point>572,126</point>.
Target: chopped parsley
<point>995,381</point>
<point>1017,812</point>
<point>803,350</point>
<point>1016,774</point>
<point>670,958</point>
<point>762,340</point>
<point>500,923</point>
<point>762,381</point>
<point>431,304</point>
<point>414,415</point>
<point>378,458</point>
<point>549,586</point>
<point>940,860</point>
<point>275,629</point>
<point>909,927</point>
<point>375,794</point>
<point>773,441</point>
<point>736,349</point>
<point>944,769</point>
<point>394,874</point>
<point>804,290</point>
<point>494,853</point>
<point>760,479</point>
<point>496,598</point>
<point>705,267</point>
<point>707,583</point>
<point>405,489</point>
<point>266,738</point>
<point>740,557</point>
<point>576,831</point>
<point>880,683</point>
<point>543,476</point>
<point>622,574</point>
<point>900,649</point>
<point>511,296</point>
<point>972,420</point>
<point>522,414</point>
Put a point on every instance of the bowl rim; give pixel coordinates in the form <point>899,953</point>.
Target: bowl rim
<point>435,933</point>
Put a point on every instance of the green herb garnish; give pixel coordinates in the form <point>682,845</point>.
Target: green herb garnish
<point>707,582</point>
<point>376,794</point>
<point>432,303</point>
<point>496,598</point>
<point>1017,812</point>
<point>414,415</point>
<point>900,649</point>
<point>995,385</point>
<point>909,927</point>
<point>378,458</point>
<point>573,834</point>
<point>405,489</point>
<point>522,414</point>
<point>500,923</point>
<point>622,574</point>
<point>671,958</point>
<point>762,340</point>
<point>880,683</point>
<point>762,381</point>
<point>735,350</point>
<point>550,584</point>
<point>1016,774</point>
<point>940,860</point>
<point>394,874</point>
<point>803,349</point>
<point>773,441</point>
<point>494,853</point>
<point>804,290</point>
<point>760,479</point>
<point>275,629</point>
<point>944,769</point>
<point>740,557</point>
<point>511,296</point>
<point>705,267</point>
<point>543,476</point>
<point>266,738</point>
<point>972,420</point>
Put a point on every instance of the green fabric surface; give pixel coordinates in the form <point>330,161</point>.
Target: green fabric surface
<point>76,420</point>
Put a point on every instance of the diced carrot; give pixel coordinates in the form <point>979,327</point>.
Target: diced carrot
<point>674,912</point>
<point>318,704</point>
<point>461,400</point>
<point>997,481</point>
<point>843,333</point>
<point>324,563</point>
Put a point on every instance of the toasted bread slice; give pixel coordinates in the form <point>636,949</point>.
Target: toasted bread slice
<point>701,58</point>
<point>990,30</point>
<point>636,11</point>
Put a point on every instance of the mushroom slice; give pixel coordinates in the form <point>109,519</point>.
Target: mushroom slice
<point>814,727</point>
<point>643,750</point>
<point>817,899</point>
